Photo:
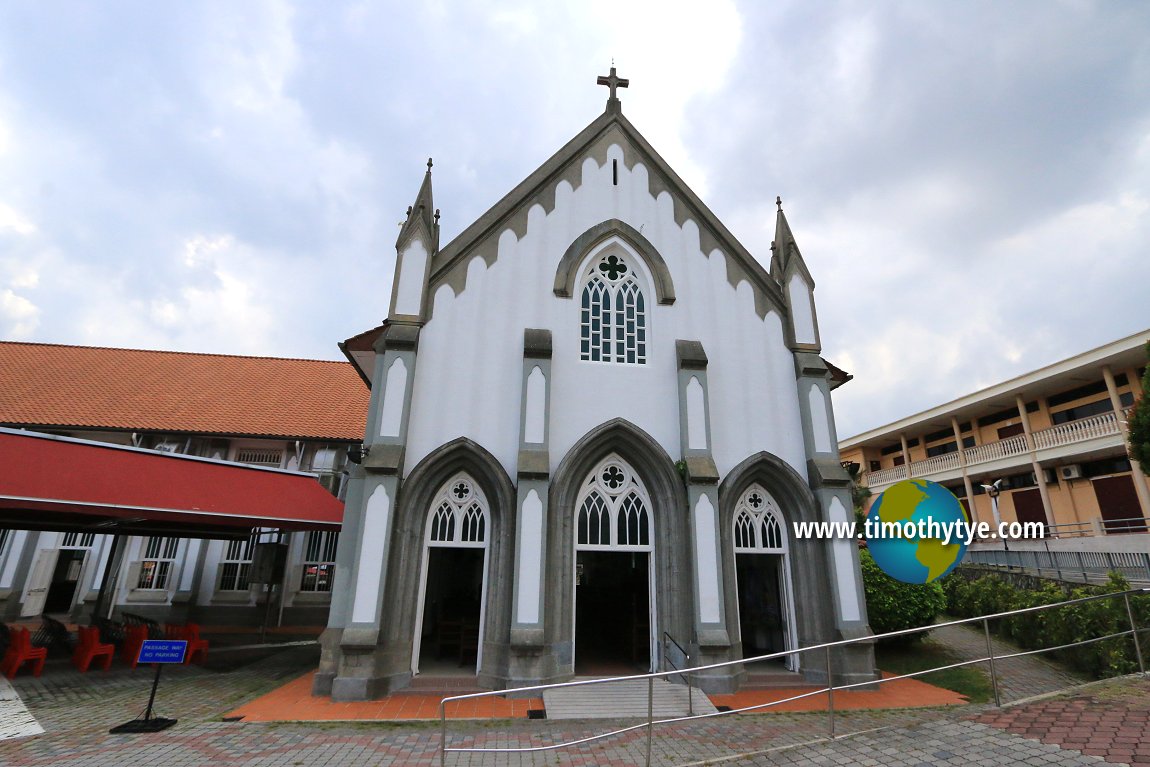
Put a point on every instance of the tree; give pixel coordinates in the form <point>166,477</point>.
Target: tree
<point>1140,423</point>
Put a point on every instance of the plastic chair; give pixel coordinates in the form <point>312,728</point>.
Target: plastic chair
<point>20,651</point>
<point>89,648</point>
<point>134,636</point>
<point>190,633</point>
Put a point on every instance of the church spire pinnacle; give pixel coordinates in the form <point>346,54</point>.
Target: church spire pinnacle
<point>613,81</point>
<point>422,214</point>
<point>784,249</point>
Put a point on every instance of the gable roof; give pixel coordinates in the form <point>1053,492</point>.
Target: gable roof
<point>609,127</point>
<point>50,385</point>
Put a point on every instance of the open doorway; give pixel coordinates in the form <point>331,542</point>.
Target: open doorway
<point>65,580</point>
<point>452,607</point>
<point>452,583</point>
<point>612,612</point>
<point>762,604</point>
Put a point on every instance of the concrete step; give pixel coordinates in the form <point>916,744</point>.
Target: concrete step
<point>623,699</point>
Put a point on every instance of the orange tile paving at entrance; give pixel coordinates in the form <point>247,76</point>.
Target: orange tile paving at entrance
<point>901,693</point>
<point>293,702</point>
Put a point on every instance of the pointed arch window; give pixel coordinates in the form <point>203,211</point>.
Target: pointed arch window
<point>759,523</point>
<point>613,510</point>
<point>613,319</point>
<point>459,515</point>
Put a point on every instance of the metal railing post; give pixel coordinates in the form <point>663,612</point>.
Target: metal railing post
<point>650,715</point>
<point>1134,631</point>
<point>830,698</point>
<point>690,696</point>
<point>990,657</point>
<point>442,733</point>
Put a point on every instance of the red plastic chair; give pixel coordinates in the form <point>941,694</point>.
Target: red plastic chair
<point>20,651</point>
<point>191,634</point>
<point>134,637</point>
<point>89,648</point>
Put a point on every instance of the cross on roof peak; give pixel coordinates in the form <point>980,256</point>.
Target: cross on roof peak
<point>612,81</point>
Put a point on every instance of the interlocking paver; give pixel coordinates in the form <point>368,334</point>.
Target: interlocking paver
<point>77,710</point>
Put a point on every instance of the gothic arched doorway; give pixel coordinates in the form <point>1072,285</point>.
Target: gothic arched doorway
<point>614,604</point>
<point>453,579</point>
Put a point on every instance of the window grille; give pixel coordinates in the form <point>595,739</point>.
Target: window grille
<point>260,457</point>
<point>78,540</point>
<point>319,561</point>
<point>613,320</point>
<point>158,562</point>
<point>235,569</point>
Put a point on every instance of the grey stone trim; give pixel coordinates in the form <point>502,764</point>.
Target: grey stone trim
<point>810,365</point>
<point>481,238</point>
<point>533,464</point>
<point>528,635</point>
<point>384,458</point>
<point>386,665</point>
<point>566,276</point>
<point>672,551</point>
<point>810,561</point>
<point>827,472</point>
<point>401,247</point>
<point>537,343</point>
<point>701,470</point>
<point>691,355</point>
<point>397,337</point>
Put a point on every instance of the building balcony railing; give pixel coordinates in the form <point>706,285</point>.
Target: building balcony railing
<point>1069,433</point>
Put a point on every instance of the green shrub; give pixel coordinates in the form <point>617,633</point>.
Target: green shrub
<point>968,598</point>
<point>893,605</point>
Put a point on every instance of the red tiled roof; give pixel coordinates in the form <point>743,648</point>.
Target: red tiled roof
<point>137,390</point>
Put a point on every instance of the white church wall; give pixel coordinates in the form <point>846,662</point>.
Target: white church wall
<point>470,359</point>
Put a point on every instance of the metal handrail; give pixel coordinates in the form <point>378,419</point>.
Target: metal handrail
<point>829,690</point>
<point>686,671</point>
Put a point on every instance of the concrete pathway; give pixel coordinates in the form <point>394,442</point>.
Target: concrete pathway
<point>15,719</point>
<point>1018,678</point>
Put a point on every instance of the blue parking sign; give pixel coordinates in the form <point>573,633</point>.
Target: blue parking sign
<point>163,651</point>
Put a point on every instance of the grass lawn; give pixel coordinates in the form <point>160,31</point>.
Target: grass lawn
<point>971,681</point>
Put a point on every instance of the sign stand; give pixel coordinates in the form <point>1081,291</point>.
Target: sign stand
<point>158,652</point>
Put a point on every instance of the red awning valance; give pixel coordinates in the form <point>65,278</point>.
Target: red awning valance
<point>59,483</point>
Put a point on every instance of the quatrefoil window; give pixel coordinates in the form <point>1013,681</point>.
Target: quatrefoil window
<point>461,490</point>
<point>613,268</point>
<point>613,477</point>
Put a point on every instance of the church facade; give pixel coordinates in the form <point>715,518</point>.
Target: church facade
<point>594,418</point>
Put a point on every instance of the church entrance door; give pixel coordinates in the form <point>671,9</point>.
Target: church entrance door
<point>762,604</point>
<point>615,608</point>
<point>453,582</point>
<point>762,576</point>
<point>612,613</point>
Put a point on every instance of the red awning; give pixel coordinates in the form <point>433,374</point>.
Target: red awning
<point>60,483</point>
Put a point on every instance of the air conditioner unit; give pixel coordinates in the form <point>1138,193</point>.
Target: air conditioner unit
<point>1070,471</point>
<point>1050,475</point>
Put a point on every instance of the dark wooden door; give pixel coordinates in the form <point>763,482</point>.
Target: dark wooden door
<point>1028,506</point>
<point>1118,501</point>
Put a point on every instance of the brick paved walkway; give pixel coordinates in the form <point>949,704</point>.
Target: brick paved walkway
<point>77,710</point>
<point>1110,720</point>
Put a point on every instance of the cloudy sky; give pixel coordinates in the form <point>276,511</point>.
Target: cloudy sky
<point>969,182</point>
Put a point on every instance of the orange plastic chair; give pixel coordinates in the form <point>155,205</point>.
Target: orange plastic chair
<point>89,648</point>
<point>191,634</point>
<point>134,637</point>
<point>20,651</point>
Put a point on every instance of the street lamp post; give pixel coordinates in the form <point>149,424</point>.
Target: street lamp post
<point>994,490</point>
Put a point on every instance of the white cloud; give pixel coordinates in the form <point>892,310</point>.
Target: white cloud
<point>19,316</point>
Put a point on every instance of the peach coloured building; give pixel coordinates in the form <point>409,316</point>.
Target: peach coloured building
<point>1056,437</point>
